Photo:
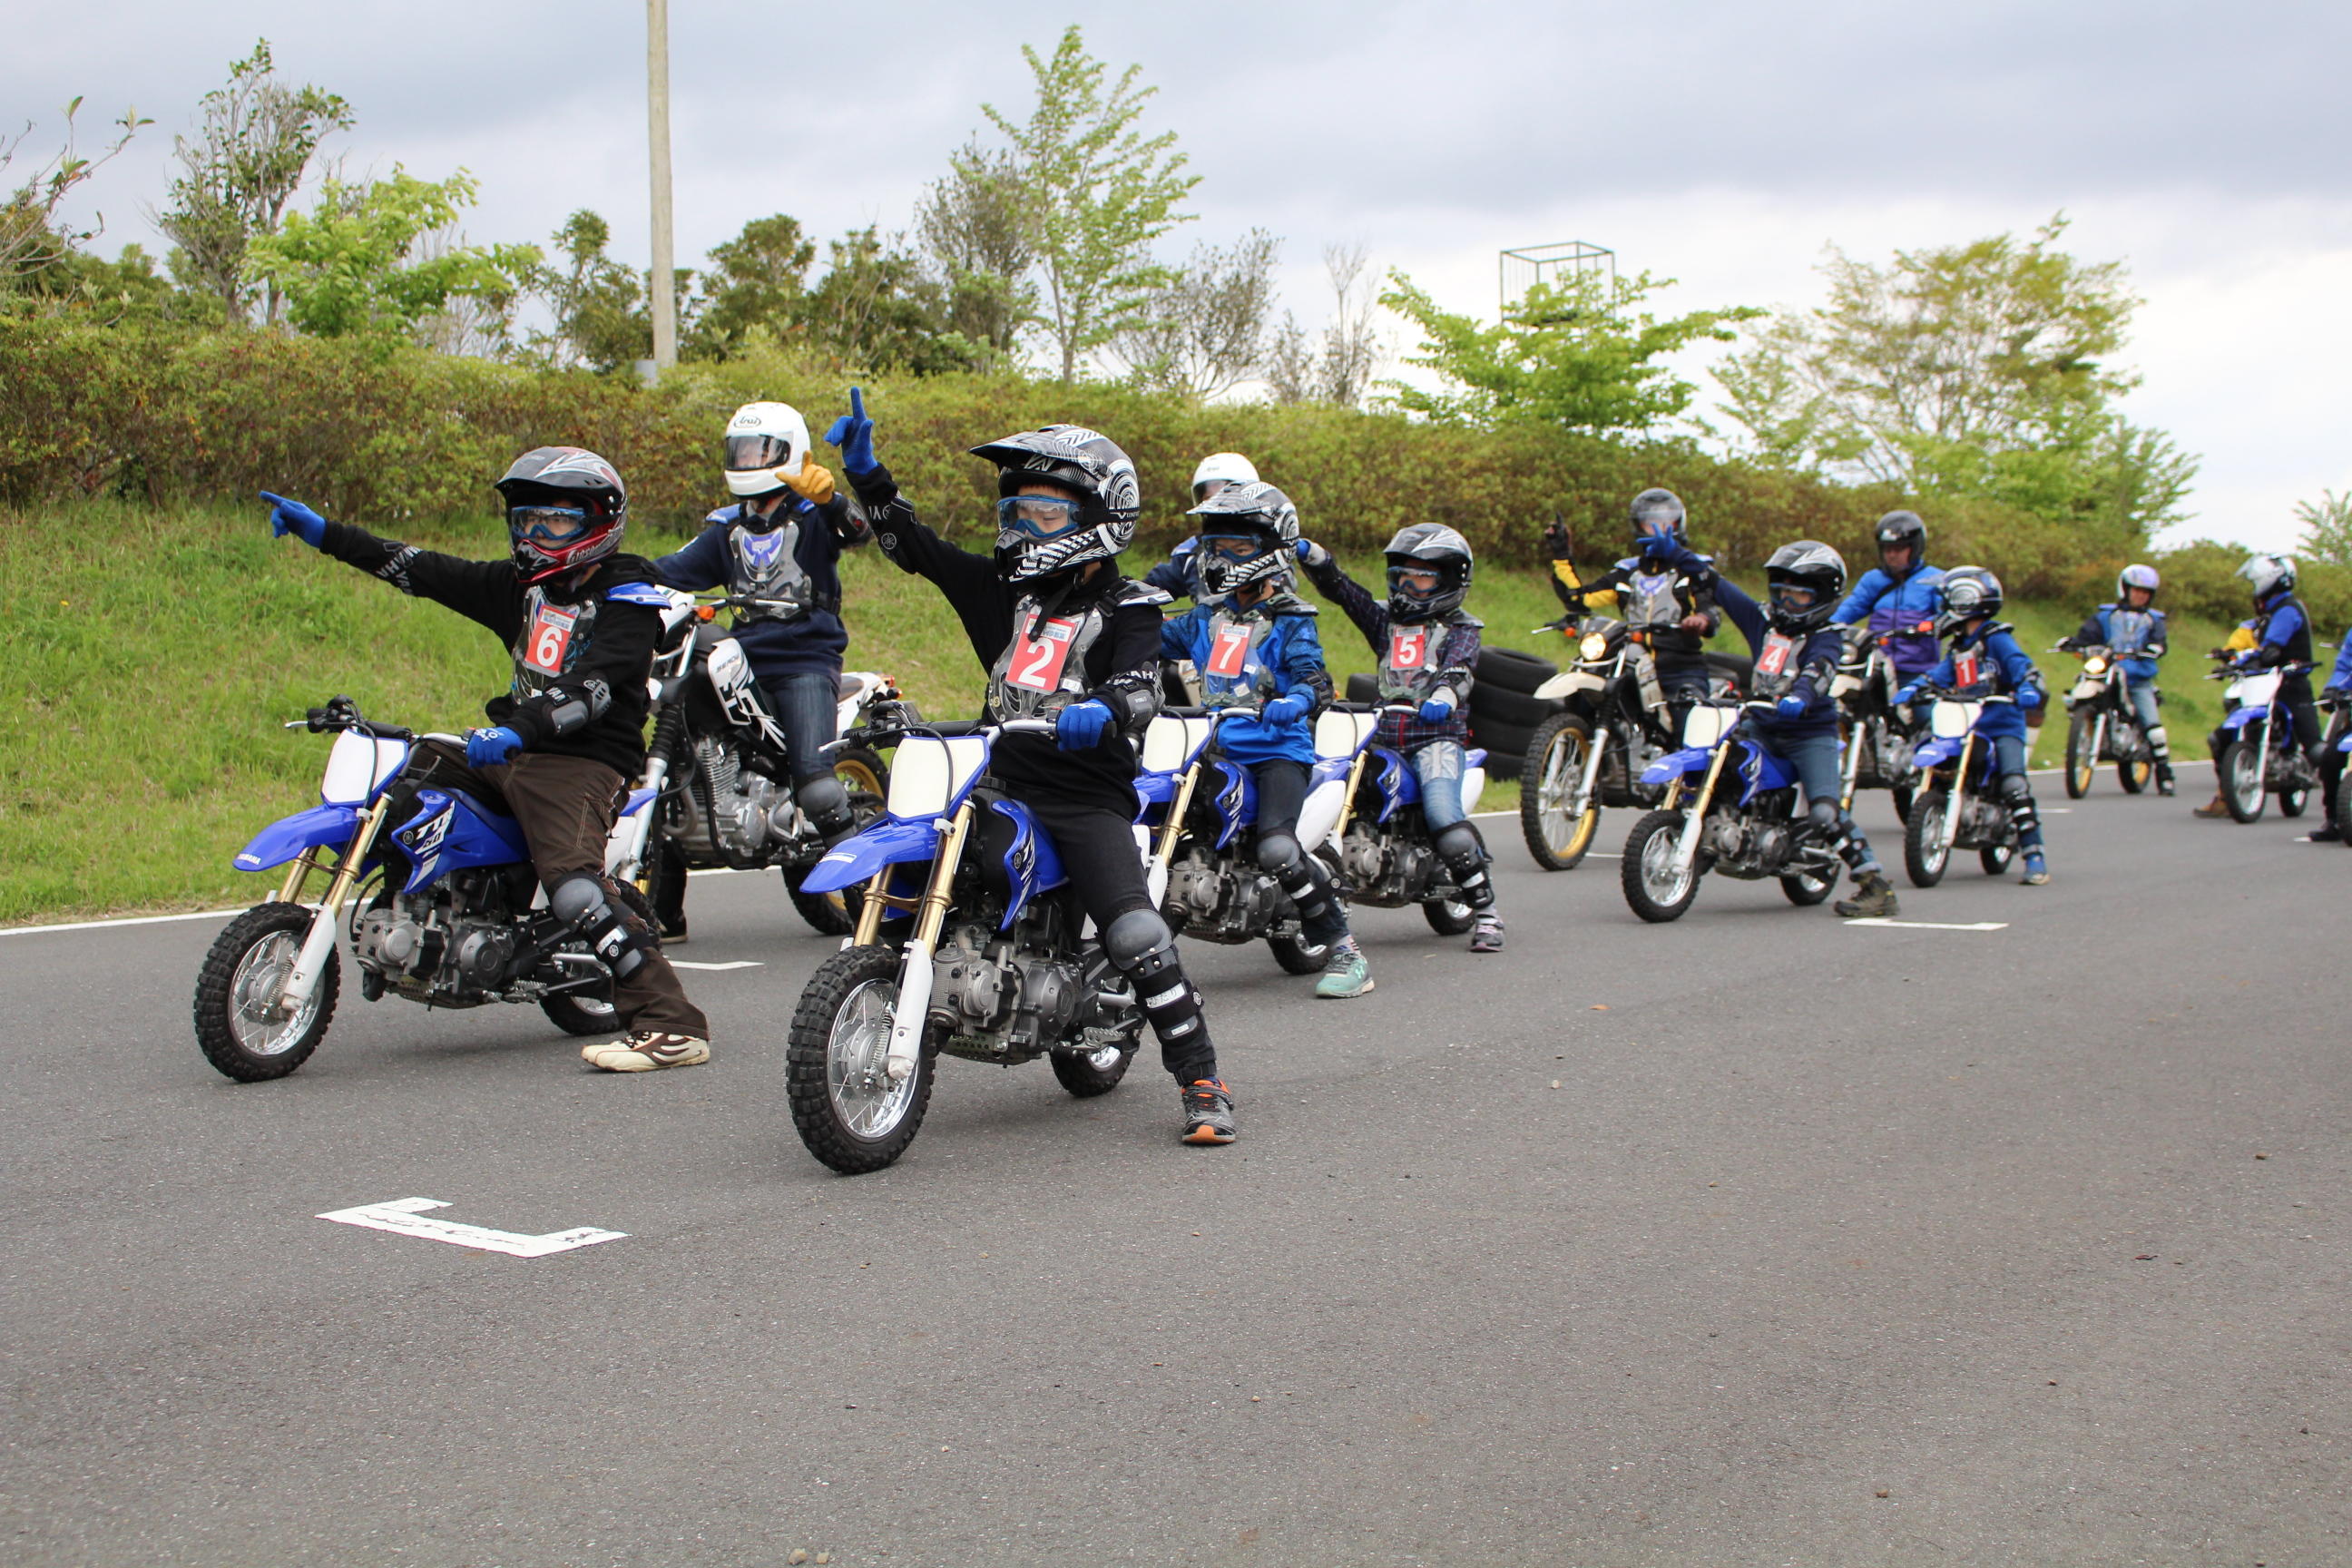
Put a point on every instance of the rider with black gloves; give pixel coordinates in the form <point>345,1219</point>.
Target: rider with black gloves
<point>779,545</point>
<point>1797,646</point>
<point>2282,632</point>
<point>1985,660</point>
<point>1899,598</point>
<point>2135,631</point>
<point>565,739</point>
<point>1665,589</point>
<point>1253,641</point>
<point>1064,637</point>
<point>1428,647</point>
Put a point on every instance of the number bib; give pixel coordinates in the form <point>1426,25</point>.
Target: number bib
<point>1408,649</point>
<point>1964,669</point>
<point>1039,654</point>
<point>1229,654</point>
<point>548,639</point>
<point>1773,659</point>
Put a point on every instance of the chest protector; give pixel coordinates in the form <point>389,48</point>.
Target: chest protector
<point>1409,664</point>
<point>1043,668</point>
<point>1777,665</point>
<point>1234,667</point>
<point>1650,598</point>
<point>767,566</point>
<point>555,638</point>
<point>2128,631</point>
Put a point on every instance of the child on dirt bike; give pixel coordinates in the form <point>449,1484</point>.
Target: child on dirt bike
<point>1985,660</point>
<point>1064,637</point>
<point>1181,572</point>
<point>1253,640</point>
<point>580,620</point>
<point>2134,630</point>
<point>1898,599</point>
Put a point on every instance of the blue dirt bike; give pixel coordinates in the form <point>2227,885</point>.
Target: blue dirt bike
<point>443,910</point>
<point>1958,807</point>
<point>2260,754</point>
<point>1381,850</point>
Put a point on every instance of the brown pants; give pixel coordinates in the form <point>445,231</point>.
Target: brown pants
<point>565,808</point>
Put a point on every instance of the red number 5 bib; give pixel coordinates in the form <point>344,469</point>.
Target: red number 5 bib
<point>1409,648</point>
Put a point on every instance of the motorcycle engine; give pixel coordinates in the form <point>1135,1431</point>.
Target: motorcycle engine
<point>749,811</point>
<point>428,947</point>
<point>1222,897</point>
<point>1363,857</point>
<point>990,993</point>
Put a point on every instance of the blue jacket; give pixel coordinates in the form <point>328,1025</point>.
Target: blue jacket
<point>1806,672</point>
<point>1890,602</point>
<point>1283,660</point>
<point>2343,673</point>
<point>1180,574</point>
<point>2283,632</point>
<point>2126,632</point>
<point>812,644</point>
<point>2001,669</point>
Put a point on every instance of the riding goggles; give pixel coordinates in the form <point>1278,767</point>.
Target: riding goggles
<point>1238,548</point>
<point>1038,517</point>
<point>547,524</point>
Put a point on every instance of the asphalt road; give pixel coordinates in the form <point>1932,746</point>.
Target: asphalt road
<point>1753,1239</point>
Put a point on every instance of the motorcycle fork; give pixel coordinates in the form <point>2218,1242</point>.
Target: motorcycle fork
<point>1852,768</point>
<point>1347,801</point>
<point>1960,789</point>
<point>1695,824</point>
<point>1174,828</point>
<point>319,942</point>
<point>915,974</point>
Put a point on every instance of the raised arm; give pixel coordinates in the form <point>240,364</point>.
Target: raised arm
<point>1331,580</point>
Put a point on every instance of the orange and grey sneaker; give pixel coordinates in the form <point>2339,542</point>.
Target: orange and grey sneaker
<point>646,1050</point>
<point>1208,1112</point>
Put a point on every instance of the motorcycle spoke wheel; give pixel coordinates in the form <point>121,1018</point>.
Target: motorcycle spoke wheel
<point>1559,828</point>
<point>2082,761</point>
<point>238,1026</point>
<point>1657,888</point>
<point>2241,791</point>
<point>1925,852</point>
<point>847,1110</point>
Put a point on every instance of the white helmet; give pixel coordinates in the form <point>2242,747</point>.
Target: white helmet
<point>2269,575</point>
<point>765,441</point>
<point>1221,468</point>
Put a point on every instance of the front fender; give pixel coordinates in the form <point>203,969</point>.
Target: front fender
<point>289,836</point>
<point>855,859</point>
<point>1675,765</point>
<point>2239,719</point>
<point>1934,753</point>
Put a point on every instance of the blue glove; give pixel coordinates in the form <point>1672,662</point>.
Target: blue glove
<point>2029,697</point>
<point>1907,695</point>
<point>1790,707</point>
<point>292,517</point>
<point>1283,712</point>
<point>1082,725</point>
<point>854,433</point>
<point>1312,553</point>
<point>1438,708</point>
<point>485,747</point>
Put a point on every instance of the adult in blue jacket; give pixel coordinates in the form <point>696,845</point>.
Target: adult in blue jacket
<point>1796,647</point>
<point>1900,597</point>
<point>1985,661</point>
<point>1254,643</point>
<point>2135,632</point>
<point>2280,629</point>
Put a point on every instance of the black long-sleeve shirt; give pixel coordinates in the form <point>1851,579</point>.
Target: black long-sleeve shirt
<point>1122,669</point>
<point>619,641</point>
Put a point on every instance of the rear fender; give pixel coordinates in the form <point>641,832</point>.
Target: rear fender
<point>1032,865</point>
<point>289,836</point>
<point>855,859</point>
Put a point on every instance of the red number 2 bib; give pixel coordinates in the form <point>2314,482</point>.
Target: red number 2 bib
<point>548,639</point>
<point>1230,653</point>
<point>1409,648</point>
<point>1039,654</point>
<point>1774,658</point>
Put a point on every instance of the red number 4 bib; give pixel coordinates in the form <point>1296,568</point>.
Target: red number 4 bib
<point>1774,658</point>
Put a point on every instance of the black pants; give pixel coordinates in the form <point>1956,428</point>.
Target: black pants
<point>1281,794</point>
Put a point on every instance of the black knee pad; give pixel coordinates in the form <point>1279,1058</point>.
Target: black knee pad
<point>2015,790</point>
<point>594,908</point>
<point>824,802</point>
<point>1140,943</point>
<point>1276,850</point>
<point>1823,816</point>
<point>1461,846</point>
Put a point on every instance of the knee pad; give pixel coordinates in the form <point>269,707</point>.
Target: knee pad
<point>1275,851</point>
<point>1140,943</point>
<point>1823,816</point>
<point>1460,844</point>
<point>824,801</point>
<point>2158,741</point>
<point>2015,790</point>
<point>591,906</point>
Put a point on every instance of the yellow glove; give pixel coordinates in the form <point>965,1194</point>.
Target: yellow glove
<point>815,484</point>
<point>2240,640</point>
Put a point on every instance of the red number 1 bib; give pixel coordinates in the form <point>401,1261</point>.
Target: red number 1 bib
<point>549,639</point>
<point>1230,653</point>
<point>1774,658</point>
<point>1964,669</point>
<point>1038,656</point>
<point>1408,647</point>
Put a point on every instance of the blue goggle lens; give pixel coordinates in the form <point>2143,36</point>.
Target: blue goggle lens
<point>1037,517</point>
<point>547,524</point>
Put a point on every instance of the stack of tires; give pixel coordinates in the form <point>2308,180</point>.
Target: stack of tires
<point>1504,709</point>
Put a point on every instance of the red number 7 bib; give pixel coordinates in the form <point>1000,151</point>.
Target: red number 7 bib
<point>1230,653</point>
<point>1038,656</point>
<point>1408,647</point>
<point>549,639</point>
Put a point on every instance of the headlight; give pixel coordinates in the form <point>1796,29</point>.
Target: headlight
<point>2095,665</point>
<point>1594,645</point>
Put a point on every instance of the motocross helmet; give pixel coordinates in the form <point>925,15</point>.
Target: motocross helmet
<point>1804,581</point>
<point>1897,530</point>
<point>1657,516</point>
<point>1041,536</point>
<point>2270,574</point>
<point>1241,512</point>
<point>765,442</point>
<point>565,509</point>
<point>1221,468</point>
<point>1969,592</point>
<point>2132,577</point>
<point>1427,547</point>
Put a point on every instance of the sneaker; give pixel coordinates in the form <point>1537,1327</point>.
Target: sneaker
<point>2164,781</point>
<point>1347,973</point>
<point>673,932</point>
<point>1873,899</point>
<point>2215,808</point>
<point>1486,932</point>
<point>1208,1112</point>
<point>2037,871</point>
<point>646,1050</point>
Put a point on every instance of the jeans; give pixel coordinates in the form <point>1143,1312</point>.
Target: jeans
<point>1816,759</point>
<point>1439,766</point>
<point>805,706</point>
<point>2151,718</point>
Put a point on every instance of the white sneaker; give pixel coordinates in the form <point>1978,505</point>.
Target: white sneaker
<point>646,1051</point>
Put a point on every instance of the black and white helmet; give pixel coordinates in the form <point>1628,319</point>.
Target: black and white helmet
<point>2269,575</point>
<point>1258,510</point>
<point>1428,546</point>
<point>1969,592</point>
<point>1092,467</point>
<point>1804,581</point>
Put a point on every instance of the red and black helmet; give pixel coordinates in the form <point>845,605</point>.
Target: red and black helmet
<point>565,509</point>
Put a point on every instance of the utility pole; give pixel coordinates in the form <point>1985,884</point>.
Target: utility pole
<point>664,277</point>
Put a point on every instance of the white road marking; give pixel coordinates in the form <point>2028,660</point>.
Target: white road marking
<point>127,921</point>
<point>403,1216</point>
<point>736,963</point>
<point>1929,925</point>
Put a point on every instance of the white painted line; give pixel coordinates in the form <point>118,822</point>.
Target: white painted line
<point>127,921</point>
<point>716,871</point>
<point>403,1216</point>
<point>736,963</point>
<point>1929,925</point>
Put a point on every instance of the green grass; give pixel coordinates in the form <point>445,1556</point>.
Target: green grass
<point>153,656</point>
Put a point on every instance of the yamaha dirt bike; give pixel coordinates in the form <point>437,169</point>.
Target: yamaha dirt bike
<point>1960,809</point>
<point>2261,753</point>
<point>956,951</point>
<point>1731,806</point>
<point>2102,726</point>
<point>1216,889</point>
<point>1595,752</point>
<point>717,762</point>
<point>1381,852</point>
<point>1879,747</point>
<point>443,910</point>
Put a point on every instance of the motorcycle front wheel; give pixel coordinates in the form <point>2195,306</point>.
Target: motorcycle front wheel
<point>1558,836</point>
<point>1926,851</point>
<point>835,914</point>
<point>848,1111</point>
<point>1657,888</point>
<point>238,1027</point>
<point>2237,770</point>
<point>2081,757</point>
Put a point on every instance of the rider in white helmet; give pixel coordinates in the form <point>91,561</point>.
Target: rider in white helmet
<point>1181,572</point>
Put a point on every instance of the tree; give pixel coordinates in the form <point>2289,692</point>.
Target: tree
<point>1340,371</point>
<point>601,318</point>
<point>1097,193</point>
<point>2326,528</point>
<point>1976,369</point>
<point>876,309</point>
<point>758,279</point>
<point>973,225</point>
<point>249,157</point>
<point>1577,352</point>
<point>1207,333</point>
<point>351,268</point>
<point>33,237</point>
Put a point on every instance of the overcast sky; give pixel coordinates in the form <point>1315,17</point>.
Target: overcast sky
<point>1721,144</point>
